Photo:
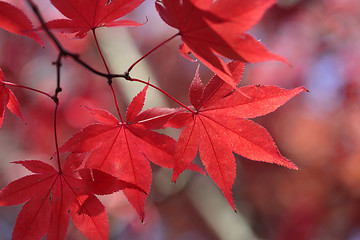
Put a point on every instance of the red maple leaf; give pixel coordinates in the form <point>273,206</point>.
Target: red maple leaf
<point>8,99</point>
<point>86,15</point>
<point>211,28</point>
<point>14,20</point>
<point>124,149</point>
<point>52,196</point>
<point>218,127</point>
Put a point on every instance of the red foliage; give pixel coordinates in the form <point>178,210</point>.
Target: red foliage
<point>85,15</point>
<point>8,99</point>
<point>115,153</point>
<point>123,149</point>
<point>210,29</point>
<point>217,127</point>
<point>14,20</point>
<point>52,196</point>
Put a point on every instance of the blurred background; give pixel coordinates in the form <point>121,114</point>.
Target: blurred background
<point>319,131</point>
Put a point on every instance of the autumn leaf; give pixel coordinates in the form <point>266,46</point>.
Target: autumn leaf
<point>14,20</point>
<point>52,196</point>
<point>218,127</point>
<point>211,29</point>
<point>86,15</point>
<point>124,149</point>
<point>8,99</point>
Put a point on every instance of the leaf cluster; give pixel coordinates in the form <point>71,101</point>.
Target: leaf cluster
<point>114,153</point>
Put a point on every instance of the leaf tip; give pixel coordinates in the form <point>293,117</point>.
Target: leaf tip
<point>175,177</point>
<point>290,165</point>
<point>142,217</point>
<point>282,59</point>
<point>301,89</point>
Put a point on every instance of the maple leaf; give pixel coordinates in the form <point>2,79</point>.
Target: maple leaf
<point>52,196</point>
<point>14,20</point>
<point>124,149</point>
<point>211,28</point>
<point>218,127</point>
<point>8,99</point>
<point>86,15</point>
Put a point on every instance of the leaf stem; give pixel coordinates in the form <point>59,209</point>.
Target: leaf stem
<point>102,56</point>
<point>56,138</point>
<point>164,92</point>
<point>28,88</point>
<point>109,78</point>
<point>148,53</point>
<point>115,101</point>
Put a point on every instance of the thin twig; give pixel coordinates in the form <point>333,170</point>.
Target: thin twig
<point>58,88</point>
<point>56,138</point>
